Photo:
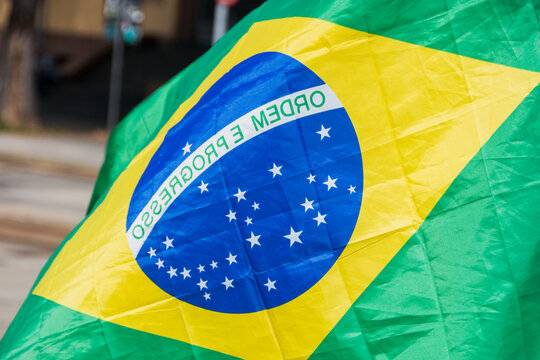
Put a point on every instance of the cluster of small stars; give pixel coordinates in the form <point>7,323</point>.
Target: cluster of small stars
<point>186,273</point>
<point>254,239</point>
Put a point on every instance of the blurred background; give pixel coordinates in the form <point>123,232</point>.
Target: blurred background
<point>69,71</point>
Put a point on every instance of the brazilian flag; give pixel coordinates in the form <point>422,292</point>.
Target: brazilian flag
<point>333,179</point>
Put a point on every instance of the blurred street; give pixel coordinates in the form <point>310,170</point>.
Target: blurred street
<point>69,71</point>
<point>45,186</point>
<point>20,264</point>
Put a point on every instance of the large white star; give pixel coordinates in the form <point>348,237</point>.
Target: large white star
<point>249,221</point>
<point>320,218</point>
<point>202,284</point>
<point>352,189</point>
<point>294,236</point>
<point>311,178</point>
<point>331,183</point>
<point>231,259</point>
<point>307,204</point>
<point>185,273</point>
<point>187,148</point>
<point>324,132</point>
<point>253,240</point>
<point>240,195</point>
<point>228,283</point>
<point>172,272</point>
<point>231,215</point>
<point>160,264</point>
<point>213,264</point>
<point>255,206</point>
<point>275,170</point>
<point>200,268</point>
<point>152,252</point>
<point>168,243</point>
<point>206,296</point>
<point>203,187</point>
<point>270,284</point>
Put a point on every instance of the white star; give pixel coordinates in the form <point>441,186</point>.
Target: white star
<point>248,221</point>
<point>294,237</point>
<point>202,284</point>
<point>311,178</point>
<point>270,284</point>
<point>331,183</point>
<point>231,259</point>
<point>203,187</point>
<point>231,215</point>
<point>255,206</point>
<point>307,205</point>
<point>253,240</point>
<point>324,132</point>
<point>168,243</point>
<point>213,264</point>
<point>240,195</point>
<point>275,170</point>
<point>352,189</point>
<point>200,268</point>
<point>320,218</point>
<point>206,296</point>
<point>185,273</point>
<point>187,148</point>
<point>152,253</point>
<point>228,283</point>
<point>160,263</point>
<point>172,272</point>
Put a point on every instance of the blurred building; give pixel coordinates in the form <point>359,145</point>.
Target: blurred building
<point>73,65</point>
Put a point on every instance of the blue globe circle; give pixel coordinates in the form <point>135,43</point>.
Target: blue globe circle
<point>265,222</point>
